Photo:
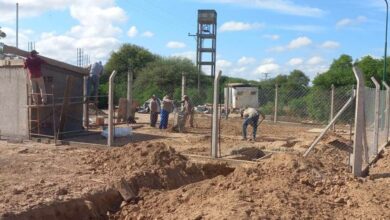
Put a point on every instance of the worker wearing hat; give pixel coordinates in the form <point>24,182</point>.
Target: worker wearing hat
<point>33,64</point>
<point>154,110</point>
<point>166,108</point>
<point>188,111</point>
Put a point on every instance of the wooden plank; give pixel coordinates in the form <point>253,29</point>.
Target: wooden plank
<point>64,109</point>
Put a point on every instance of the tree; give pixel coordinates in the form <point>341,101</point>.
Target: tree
<point>163,77</point>
<point>127,56</point>
<point>371,68</point>
<point>297,77</point>
<point>340,73</point>
<point>2,34</point>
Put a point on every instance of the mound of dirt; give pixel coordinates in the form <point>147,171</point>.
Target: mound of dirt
<point>286,186</point>
<point>148,166</point>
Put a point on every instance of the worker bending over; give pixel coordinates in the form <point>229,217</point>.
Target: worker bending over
<point>251,117</point>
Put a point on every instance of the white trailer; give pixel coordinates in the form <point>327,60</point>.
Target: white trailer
<point>242,95</point>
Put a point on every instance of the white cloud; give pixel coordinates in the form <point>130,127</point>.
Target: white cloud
<point>268,60</point>
<point>191,55</point>
<point>223,64</point>
<point>281,6</point>
<point>10,39</point>
<point>132,32</point>
<point>294,44</point>
<point>271,36</point>
<point>240,70</point>
<point>148,34</point>
<point>315,60</point>
<point>268,65</point>
<point>345,22</point>
<point>299,42</point>
<point>175,45</point>
<point>330,44</point>
<point>277,49</point>
<point>30,8</point>
<point>303,28</point>
<point>267,68</point>
<point>246,60</point>
<point>295,61</point>
<point>239,26</point>
<point>95,32</point>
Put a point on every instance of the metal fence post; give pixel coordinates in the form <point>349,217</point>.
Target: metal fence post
<point>387,110</point>
<point>215,129</point>
<point>129,93</point>
<point>332,106</point>
<point>276,104</point>
<point>110,138</point>
<point>226,101</point>
<point>374,151</point>
<point>357,159</point>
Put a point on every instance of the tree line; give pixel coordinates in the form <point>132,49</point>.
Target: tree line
<point>154,74</point>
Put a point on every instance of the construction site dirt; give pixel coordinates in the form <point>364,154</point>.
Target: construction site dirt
<point>169,175</point>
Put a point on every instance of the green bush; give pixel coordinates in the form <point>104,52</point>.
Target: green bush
<point>268,108</point>
<point>297,108</point>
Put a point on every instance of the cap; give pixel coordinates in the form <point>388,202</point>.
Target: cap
<point>33,52</point>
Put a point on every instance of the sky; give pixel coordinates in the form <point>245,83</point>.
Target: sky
<point>255,38</point>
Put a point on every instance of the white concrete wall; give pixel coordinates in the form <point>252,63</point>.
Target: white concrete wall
<point>13,101</point>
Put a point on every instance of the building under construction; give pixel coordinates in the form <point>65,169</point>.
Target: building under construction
<point>20,117</point>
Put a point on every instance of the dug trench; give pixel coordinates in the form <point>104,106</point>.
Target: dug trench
<point>131,169</point>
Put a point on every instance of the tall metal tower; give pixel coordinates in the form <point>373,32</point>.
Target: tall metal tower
<point>206,41</point>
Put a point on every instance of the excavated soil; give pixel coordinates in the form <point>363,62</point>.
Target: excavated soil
<point>286,186</point>
<point>40,181</point>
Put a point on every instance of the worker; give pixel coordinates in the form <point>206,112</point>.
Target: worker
<point>154,110</point>
<point>188,111</point>
<point>33,64</point>
<point>251,117</point>
<point>96,70</point>
<point>166,108</point>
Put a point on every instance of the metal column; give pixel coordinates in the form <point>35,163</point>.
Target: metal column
<point>357,159</point>
<point>110,138</point>
<point>215,129</point>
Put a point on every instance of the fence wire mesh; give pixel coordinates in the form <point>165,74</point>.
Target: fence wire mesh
<point>300,110</point>
<point>303,107</point>
<point>376,122</point>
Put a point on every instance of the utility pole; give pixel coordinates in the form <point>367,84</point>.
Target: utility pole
<point>17,25</point>
<point>384,68</point>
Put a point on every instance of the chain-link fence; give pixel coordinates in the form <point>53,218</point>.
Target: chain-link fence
<point>376,121</point>
<point>301,104</point>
